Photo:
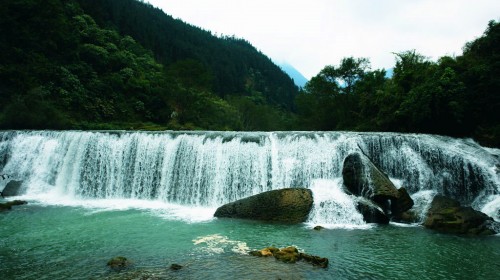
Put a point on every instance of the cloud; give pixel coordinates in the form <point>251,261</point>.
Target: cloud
<point>314,33</point>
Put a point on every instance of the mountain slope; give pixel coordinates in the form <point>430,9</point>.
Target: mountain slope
<point>236,67</point>
<point>296,76</point>
<point>61,68</point>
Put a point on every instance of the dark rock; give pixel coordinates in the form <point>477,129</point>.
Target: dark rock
<point>175,266</point>
<point>371,212</point>
<point>363,178</point>
<point>318,228</point>
<point>446,215</point>
<point>118,263</point>
<point>13,188</point>
<point>315,260</point>
<point>8,205</point>
<point>286,205</point>
<point>408,217</point>
<point>402,203</point>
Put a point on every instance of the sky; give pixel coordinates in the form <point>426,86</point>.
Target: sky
<point>310,34</point>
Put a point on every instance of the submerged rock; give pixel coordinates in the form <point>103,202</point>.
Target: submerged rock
<point>285,205</point>
<point>175,266</point>
<point>446,215</point>
<point>290,255</point>
<point>318,228</point>
<point>408,217</point>
<point>118,263</point>
<point>8,205</point>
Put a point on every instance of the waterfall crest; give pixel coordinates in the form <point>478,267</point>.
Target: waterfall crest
<point>209,169</point>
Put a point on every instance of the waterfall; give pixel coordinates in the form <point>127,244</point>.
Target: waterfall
<point>208,169</point>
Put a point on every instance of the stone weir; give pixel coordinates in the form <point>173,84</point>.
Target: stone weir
<point>210,169</point>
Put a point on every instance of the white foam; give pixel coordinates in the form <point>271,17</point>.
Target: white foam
<point>218,244</point>
<point>333,208</point>
<point>168,211</point>
<point>492,208</point>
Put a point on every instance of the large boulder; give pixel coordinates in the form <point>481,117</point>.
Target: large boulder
<point>403,202</point>
<point>363,178</point>
<point>13,188</point>
<point>285,205</point>
<point>446,215</point>
<point>371,212</point>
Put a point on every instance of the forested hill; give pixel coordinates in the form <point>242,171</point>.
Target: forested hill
<point>237,67</point>
<point>125,64</point>
<point>458,96</point>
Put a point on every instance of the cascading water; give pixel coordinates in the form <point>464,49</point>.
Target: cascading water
<point>208,169</point>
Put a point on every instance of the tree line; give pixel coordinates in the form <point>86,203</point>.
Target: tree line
<point>457,96</point>
<point>123,64</point>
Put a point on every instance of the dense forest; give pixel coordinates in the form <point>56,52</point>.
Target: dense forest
<point>124,64</point>
<point>458,96</point>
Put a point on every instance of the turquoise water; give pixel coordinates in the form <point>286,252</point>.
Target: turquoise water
<point>39,241</point>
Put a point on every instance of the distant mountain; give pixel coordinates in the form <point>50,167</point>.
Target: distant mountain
<point>297,77</point>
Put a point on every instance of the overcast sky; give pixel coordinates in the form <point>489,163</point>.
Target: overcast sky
<point>314,33</point>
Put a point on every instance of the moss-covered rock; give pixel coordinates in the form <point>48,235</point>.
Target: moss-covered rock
<point>290,255</point>
<point>8,205</point>
<point>315,260</point>
<point>446,215</point>
<point>290,205</point>
<point>119,263</point>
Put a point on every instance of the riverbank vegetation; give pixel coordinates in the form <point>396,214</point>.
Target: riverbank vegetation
<point>109,64</point>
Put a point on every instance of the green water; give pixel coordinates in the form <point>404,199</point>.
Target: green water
<point>60,242</point>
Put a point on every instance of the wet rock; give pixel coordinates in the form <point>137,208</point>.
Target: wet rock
<point>402,203</point>
<point>315,260</point>
<point>266,252</point>
<point>408,217</point>
<point>286,205</point>
<point>318,228</point>
<point>175,266</point>
<point>290,255</point>
<point>446,215</point>
<point>13,188</point>
<point>363,178</point>
<point>118,263</point>
<point>8,205</point>
<point>371,212</point>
